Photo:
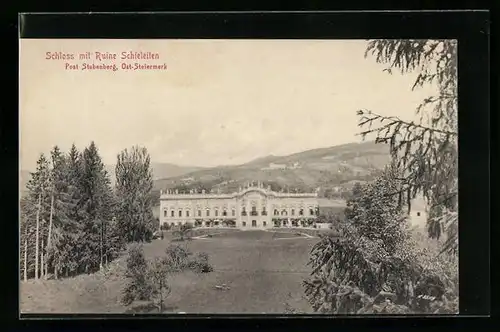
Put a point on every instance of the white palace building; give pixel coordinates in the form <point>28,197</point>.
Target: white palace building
<point>253,206</point>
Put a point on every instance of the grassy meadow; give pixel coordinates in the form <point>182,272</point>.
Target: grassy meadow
<point>263,270</point>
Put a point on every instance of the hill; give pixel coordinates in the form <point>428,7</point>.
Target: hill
<point>160,170</point>
<point>325,167</point>
<point>331,169</point>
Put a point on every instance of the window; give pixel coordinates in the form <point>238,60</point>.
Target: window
<point>208,213</point>
<point>418,214</point>
<point>233,212</point>
<point>254,211</point>
<point>224,213</point>
<point>180,213</point>
<point>244,224</point>
<point>276,212</point>
<point>199,213</point>
<point>165,213</point>
<point>243,212</point>
<point>254,223</point>
<point>283,213</point>
<point>301,212</point>
<point>264,223</point>
<point>293,212</point>
<point>187,213</point>
<point>216,213</point>
<point>172,213</point>
<point>311,212</point>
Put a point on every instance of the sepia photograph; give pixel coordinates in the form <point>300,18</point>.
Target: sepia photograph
<point>238,176</point>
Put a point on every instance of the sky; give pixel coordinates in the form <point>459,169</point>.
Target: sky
<point>219,102</point>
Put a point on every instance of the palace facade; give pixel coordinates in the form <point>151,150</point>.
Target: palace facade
<point>251,207</point>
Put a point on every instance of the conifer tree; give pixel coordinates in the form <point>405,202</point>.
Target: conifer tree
<point>61,226</point>
<point>38,187</point>
<point>95,203</point>
<point>426,151</point>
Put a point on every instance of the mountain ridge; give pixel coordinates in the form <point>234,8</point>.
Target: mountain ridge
<point>327,167</point>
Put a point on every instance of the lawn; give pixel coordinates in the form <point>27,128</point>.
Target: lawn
<point>262,271</point>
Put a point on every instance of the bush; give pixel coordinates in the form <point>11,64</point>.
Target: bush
<point>148,281</point>
<point>138,286</point>
<point>177,257</point>
<point>199,263</point>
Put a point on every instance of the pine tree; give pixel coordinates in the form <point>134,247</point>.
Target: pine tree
<point>38,188</point>
<point>27,235</point>
<point>426,151</point>
<point>95,202</point>
<point>61,226</point>
<point>134,183</point>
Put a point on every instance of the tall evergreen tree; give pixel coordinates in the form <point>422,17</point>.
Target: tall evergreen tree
<point>95,204</point>
<point>426,151</point>
<point>36,208</point>
<point>62,228</point>
<point>134,183</point>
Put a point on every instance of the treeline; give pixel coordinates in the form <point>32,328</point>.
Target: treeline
<point>73,221</point>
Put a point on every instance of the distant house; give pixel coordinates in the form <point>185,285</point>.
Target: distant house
<point>275,166</point>
<point>418,212</point>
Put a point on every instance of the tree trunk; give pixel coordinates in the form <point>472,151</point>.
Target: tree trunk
<point>161,297</point>
<point>49,240</point>
<point>26,256</point>
<point>55,271</point>
<point>105,249</point>
<point>36,234</point>
<point>42,266</point>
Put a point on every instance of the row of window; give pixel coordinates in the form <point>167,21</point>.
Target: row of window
<point>253,212</point>
<point>199,214</point>
<point>292,212</point>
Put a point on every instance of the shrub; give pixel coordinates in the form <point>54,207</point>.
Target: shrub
<point>177,257</point>
<point>199,263</point>
<point>138,286</point>
<point>157,274</point>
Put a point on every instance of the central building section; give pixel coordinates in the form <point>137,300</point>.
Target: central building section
<point>249,208</point>
<point>253,209</point>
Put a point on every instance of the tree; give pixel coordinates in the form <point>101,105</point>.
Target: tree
<point>35,208</point>
<point>374,214</point>
<point>61,204</point>
<point>425,151</point>
<point>96,206</point>
<point>134,183</point>
<point>375,266</point>
<point>138,285</point>
<point>158,272</point>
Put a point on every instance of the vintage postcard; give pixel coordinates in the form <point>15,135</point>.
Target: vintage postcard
<point>238,176</point>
